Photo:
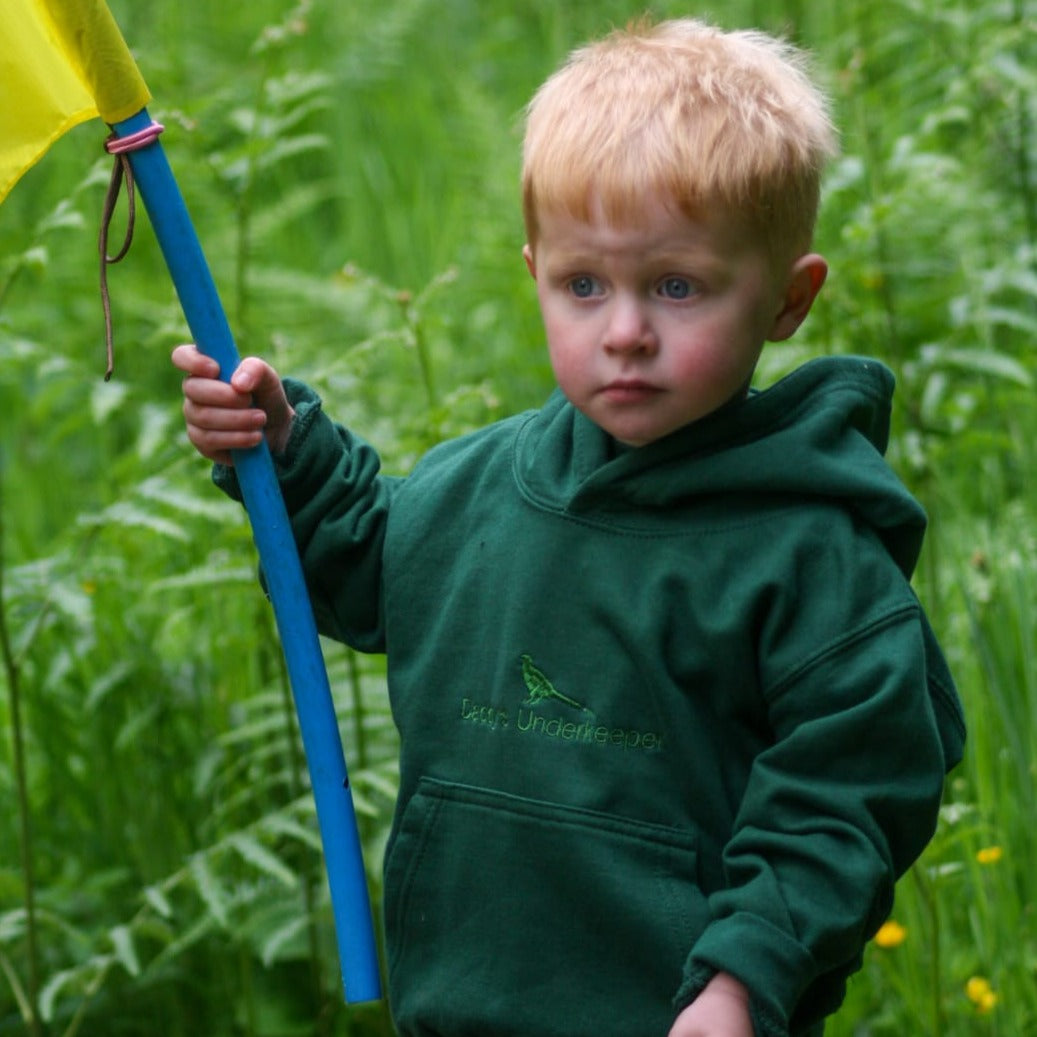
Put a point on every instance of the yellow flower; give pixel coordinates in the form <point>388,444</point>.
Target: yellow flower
<point>981,994</point>
<point>988,1003</point>
<point>891,934</point>
<point>990,855</point>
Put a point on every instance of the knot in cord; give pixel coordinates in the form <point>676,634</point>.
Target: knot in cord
<point>119,147</point>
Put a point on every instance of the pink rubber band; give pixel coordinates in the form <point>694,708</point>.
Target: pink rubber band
<point>133,141</point>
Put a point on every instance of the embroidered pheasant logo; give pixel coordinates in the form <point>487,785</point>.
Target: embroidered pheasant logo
<point>540,687</point>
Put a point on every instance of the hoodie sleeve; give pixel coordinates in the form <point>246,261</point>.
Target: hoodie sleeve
<point>839,805</point>
<point>338,504</point>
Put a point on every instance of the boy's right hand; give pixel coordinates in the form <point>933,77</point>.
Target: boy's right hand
<point>222,416</point>
<point>720,1010</point>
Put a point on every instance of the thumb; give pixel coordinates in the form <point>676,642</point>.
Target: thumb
<point>258,379</point>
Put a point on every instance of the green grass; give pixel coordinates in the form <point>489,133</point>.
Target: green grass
<point>352,171</point>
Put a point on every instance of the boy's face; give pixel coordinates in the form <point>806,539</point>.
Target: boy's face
<point>654,325</point>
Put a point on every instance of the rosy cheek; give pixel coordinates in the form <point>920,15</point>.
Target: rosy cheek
<point>562,365</point>
<point>698,365</point>
<point>570,368</point>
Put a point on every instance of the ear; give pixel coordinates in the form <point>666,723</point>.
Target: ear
<point>805,280</point>
<point>531,266</point>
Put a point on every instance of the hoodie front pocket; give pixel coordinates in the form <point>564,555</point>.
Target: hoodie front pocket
<point>506,915</point>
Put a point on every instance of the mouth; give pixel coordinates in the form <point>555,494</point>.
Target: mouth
<point>629,390</point>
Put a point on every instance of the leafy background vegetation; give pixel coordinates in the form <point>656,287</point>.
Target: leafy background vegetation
<point>352,172</point>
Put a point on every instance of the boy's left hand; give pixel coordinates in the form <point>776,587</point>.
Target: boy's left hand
<point>721,1010</point>
<point>225,416</point>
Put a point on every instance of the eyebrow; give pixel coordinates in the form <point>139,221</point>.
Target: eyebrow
<point>686,261</point>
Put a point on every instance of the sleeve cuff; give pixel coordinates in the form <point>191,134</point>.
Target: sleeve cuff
<point>774,967</point>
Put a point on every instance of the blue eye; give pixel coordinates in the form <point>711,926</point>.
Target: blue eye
<point>583,287</point>
<point>675,288</point>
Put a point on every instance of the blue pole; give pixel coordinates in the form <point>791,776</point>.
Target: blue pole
<point>280,561</point>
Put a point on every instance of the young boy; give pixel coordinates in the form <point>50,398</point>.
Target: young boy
<point>672,720</point>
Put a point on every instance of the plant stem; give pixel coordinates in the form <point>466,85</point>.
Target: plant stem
<point>8,283</point>
<point>413,321</point>
<point>296,769</point>
<point>12,674</point>
<point>1022,148</point>
<point>355,689</point>
<point>248,993</point>
<point>243,213</point>
<point>933,910</point>
<point>874,170</point>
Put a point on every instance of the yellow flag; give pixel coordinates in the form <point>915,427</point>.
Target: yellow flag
<point>61,62</point>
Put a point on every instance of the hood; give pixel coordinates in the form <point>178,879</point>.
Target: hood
<point>820,432</point>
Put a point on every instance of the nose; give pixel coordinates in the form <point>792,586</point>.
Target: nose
<point>629,328</point>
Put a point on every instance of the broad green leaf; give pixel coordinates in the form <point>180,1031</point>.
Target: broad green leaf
<point>64,217</point>
<point>24,1008</point>
<point>260,857</point>
<point>209,889</point>
<point>207,576</point>
<point>1010,318</point>
<point>981,362</point>
<point>187,938</point>
<point>105,683</point>
<point>260,728</point>
<point>52,989</point>
<point>281,936</point>
<point>135,723</point>
<point>106,398</point>
<point>388,786</point>
<point>122,941</point>
<point>208,506</point>
<point>80,980</point>
<point>123,513</point>
<point>158,900</point>
<point>153,430</point>
<point>279,824</point>
<point>12,925</point>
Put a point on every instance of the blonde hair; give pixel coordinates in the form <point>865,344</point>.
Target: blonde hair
<point>688,113</point>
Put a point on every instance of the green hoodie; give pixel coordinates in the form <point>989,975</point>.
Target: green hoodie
<point>663,711</point>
